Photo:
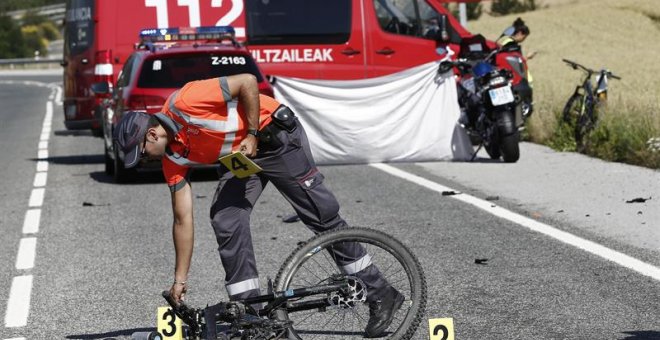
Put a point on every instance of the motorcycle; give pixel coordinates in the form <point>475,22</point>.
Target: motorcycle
<point>489,108</point>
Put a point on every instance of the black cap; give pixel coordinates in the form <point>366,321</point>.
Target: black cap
<point>129,134</point>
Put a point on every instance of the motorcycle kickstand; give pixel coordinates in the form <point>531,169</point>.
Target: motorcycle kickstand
<point>474,155</point>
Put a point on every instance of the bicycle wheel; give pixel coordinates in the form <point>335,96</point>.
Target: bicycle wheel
<point>584,124</point>
<point>309,265</point>
<point>572,109</point>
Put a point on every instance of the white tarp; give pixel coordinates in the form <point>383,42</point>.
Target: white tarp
<point>404,117</point>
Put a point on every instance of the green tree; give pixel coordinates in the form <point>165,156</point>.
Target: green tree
<point>34,41</point>
<point>12,44</point>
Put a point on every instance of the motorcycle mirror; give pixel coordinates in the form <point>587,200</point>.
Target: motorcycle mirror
<point>441,32</point>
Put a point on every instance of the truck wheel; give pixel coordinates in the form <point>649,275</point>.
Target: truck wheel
<point>109,163</point>
<point>121,174</point>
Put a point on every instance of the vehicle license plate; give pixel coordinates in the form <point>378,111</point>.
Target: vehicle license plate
<point>501,95</point>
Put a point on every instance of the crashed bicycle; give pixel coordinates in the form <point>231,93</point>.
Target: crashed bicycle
<point>313,298</point>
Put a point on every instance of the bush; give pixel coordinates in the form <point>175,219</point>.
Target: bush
<point>504,7</point>
<point>628,138</point>
<point>473,10</point>
<point>49,31</point>
<point>34,41</point>
<point>12,44</point>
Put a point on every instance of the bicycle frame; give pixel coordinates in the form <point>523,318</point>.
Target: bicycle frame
<point>237,313</point>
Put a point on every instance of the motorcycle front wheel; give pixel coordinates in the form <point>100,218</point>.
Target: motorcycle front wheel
<point>312,264</point>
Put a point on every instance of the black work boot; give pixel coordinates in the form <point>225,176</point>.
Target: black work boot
<point>381,312</point>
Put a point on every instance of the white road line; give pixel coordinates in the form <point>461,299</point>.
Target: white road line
<point>58,95</point>
<point>44,136</point>
<point>43,145</point>
<point>16,339</point>
<point>589,246</point>
<point>27,250</point>
<point>37,197</point>
<point>18,305</point>
<point>40,179</point>
<point>42,154</point>
<point>42,166</point>
<point>31,221</point>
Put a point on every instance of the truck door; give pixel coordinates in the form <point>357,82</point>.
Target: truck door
<point>399,35</point>
<point>314,39</point>
<point>78,62</point>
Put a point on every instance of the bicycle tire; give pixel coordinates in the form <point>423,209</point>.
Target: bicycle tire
<point>378,245</point>
<point>584,124</point>
<point>572,109</point>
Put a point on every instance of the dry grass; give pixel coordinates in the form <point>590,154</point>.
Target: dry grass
<point>621,35</point>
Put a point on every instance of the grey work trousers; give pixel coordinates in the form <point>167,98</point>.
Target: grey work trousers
<point>289,165</point>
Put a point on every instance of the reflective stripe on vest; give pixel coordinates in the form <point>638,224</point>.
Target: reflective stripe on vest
<point>180,160</point>
<point>224,126</point>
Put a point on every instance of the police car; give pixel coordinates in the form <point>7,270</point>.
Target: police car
<point>165,60</point>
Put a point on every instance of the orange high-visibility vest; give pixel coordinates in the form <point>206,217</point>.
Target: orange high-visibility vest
<point>210,125</point>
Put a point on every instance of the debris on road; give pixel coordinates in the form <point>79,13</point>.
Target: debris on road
<point>481,261</point>
<point>638,200</point>
<point>89,204</point>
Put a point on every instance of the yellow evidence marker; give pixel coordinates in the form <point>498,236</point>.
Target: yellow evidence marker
<point>239,164</point>
<point>169,326</point>
<point>441,329</point>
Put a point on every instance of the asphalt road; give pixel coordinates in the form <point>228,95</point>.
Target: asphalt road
<point>104,251</point>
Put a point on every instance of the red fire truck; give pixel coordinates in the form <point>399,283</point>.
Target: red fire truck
<point>314,39</point>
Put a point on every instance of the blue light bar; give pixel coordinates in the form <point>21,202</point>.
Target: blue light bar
<point>187,33</point>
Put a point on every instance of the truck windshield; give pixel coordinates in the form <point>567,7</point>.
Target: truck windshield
<point>298,22</point>
<point>176,70</point>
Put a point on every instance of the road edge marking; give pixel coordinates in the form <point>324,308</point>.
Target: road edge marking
<point>565,237</point>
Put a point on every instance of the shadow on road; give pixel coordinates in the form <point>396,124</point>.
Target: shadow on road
<point>485,160</point>
<point>73,160</point>
<point>642,335</point>
<point>110,335</point>
<point>73,133</point>
<point>152,176</point>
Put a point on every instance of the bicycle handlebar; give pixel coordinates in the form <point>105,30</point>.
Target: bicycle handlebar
<point>611,75</point>
<point>575,66</point>
<point>185,313</point>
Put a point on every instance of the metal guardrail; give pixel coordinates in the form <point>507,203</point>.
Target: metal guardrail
<point>30,63</point>
<point>53,12</point>
<point>23,61</point>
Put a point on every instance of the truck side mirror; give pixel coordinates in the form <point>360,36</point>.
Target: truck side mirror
<point>443,34</point>
<point>101,88</point>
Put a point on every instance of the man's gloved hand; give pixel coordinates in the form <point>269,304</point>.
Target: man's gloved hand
<point>249,146</point>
